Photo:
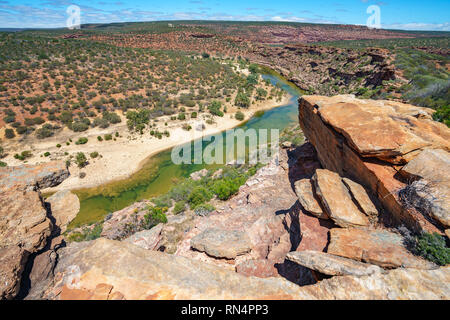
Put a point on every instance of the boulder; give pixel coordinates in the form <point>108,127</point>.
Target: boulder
<point>361,197</point>
<point>331,264</point>
<point>197,175</point>
<point>64,207</point>
<point>336,199</point>
<point>147,239</point>
<point>380,247</point>
<point>305,194</point>
<point>222,243</point>
<point>431,194</point>
<point>365,140</point>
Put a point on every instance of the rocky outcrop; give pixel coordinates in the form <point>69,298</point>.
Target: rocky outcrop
<point>41,176</point>
<point>331,264</point>
<point>367,141</point>
<point>24,223</point>
<point>101,269</point>
<point>362,199</point>
<point>64,206</point>
<point>306,197</point>
<point>429,188</point>
<point>380,247</point>
<point>337,200</point>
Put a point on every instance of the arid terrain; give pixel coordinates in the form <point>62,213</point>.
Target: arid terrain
<point>354,206</point>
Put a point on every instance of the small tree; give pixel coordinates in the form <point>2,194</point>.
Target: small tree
<point>81,160</point>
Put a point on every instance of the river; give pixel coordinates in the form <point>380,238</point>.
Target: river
<point>159,173</point>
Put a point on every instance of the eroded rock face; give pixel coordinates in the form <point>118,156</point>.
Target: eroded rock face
<point>331,264</point>
<point>64,206</point>
<point>24,225</point>
<point>221,243</point>
<point>337,200</point>
<point>41,176</point>
<point>305,194</point>
<point>431,190</point>
<point>366,140</point>
<point>381,247</point>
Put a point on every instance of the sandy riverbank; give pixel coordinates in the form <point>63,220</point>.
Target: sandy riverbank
<point>124,156</point>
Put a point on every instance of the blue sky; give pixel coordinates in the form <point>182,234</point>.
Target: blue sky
<point>397,14</point>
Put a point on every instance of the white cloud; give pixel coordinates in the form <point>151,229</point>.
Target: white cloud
<point>419,26</point>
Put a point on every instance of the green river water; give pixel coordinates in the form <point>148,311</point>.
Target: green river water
<point>159,173</point>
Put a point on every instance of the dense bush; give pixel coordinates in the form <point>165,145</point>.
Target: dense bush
<point>81,159</point>
<point>433,247</point>
<point>81,140</point>
<point>239,116</point>
<point>154,216</point>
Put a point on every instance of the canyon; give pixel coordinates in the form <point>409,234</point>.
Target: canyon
<point>323,220</point>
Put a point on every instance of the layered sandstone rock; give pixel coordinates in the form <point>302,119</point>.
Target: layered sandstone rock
<point>101,269</point>
<point>431,193</point>
<point>381,247</point>
<point>330,264</point>
<point>362,199</point>
<point>367,140</point>
<point>337,200</point>
<point>24,225</point>
<point>306,197</point>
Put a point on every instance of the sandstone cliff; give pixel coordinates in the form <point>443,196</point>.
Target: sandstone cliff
<point>24,222</point>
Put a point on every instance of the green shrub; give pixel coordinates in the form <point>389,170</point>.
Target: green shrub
<point>86,234</point>
<point>204,209</point>
<point>433,247</point>
<point>81,159</point>
<point>82,140</point>
<point>9,133</point>
<point>94,154</point>
<point>180,206</point>
<point>99,138</point>
<point>214,108</point>
<point>198,196</point>
<point>239,116</point>
<point>154,216</point>
<point>46,154</point>
<point>108,137</point>
<point>3,164</point>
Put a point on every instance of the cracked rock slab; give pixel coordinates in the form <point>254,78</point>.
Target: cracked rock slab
<point>221,243</point>
<point>331,264</point>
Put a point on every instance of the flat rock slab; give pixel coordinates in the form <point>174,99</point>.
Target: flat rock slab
<point>108,269</point>
<point>380,247</point>
<point>331,264</point>
<point>305,194</point>
<point>336,199</point>
<point>222,243</point>
<point>64,207</point>
<point>360,195</point>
